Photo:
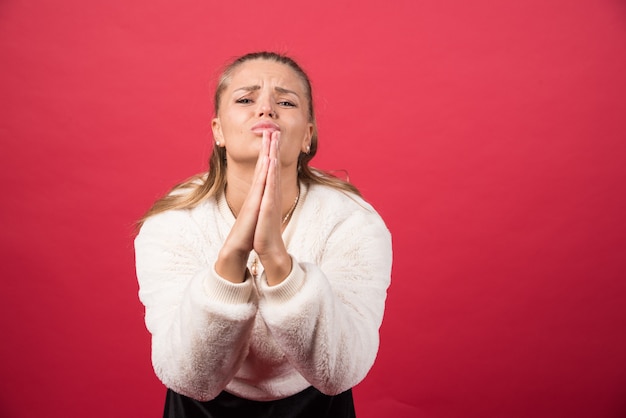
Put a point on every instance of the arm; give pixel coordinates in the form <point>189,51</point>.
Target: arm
<point>200,323</point>
<point>326,317</point>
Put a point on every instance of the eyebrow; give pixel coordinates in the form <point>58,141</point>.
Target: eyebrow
<point>278,89</point>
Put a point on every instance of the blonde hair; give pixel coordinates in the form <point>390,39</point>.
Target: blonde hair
<point>198,188</point>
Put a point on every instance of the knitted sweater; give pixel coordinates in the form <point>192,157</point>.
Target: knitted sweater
<point>318,327</point>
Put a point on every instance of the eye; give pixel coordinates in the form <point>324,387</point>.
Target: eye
<point>244,100</point>
<point>287,103</point>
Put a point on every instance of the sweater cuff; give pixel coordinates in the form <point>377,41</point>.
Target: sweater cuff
<point>287,289</point>
<point>222,290</point>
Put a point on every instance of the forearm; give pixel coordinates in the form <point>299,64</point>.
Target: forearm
<point>199,344</point>
<point>332,344</point>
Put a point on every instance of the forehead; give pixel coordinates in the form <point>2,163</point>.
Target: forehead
<point>261,72</point>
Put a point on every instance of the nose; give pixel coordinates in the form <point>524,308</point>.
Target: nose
<point>266,108</point>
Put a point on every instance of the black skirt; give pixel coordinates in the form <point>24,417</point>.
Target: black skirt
<point>310,403</point>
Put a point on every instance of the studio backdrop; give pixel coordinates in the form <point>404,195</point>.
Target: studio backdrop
<point>489,136</point>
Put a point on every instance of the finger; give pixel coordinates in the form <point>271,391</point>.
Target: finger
<point>268,227</point>
<point>274,145</point>
<point>265,148</point>
<point>260,172</point>
<point>263,153</point>
<point>260,175</point>
<point>272,185</point>
<point>252,204</point>
<point>276,171</point>
<point>267,232</point>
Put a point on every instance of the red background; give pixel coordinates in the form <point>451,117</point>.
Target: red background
<point>489,135</point>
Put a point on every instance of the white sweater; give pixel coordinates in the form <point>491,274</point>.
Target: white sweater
<point>319,327</point>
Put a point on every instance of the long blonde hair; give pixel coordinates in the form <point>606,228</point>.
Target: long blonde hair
<point>196,189</point>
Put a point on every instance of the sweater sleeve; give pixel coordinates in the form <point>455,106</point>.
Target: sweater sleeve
<point>326,317</point>
<point>200,323</point>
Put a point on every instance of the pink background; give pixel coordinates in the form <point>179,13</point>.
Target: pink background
<point>489,134</point>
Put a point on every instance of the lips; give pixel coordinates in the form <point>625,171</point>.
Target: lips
<point>259,127</point>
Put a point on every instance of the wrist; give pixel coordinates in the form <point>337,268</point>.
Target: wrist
<point>276,266</point>
<point>231,265</point>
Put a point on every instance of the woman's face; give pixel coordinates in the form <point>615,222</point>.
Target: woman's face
<point>263,95</point>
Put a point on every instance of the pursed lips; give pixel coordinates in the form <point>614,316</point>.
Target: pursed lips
<point>259,127</point>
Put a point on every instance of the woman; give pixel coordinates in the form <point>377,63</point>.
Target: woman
<point>264,280</point>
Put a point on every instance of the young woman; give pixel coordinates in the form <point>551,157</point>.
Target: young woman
<point>264,279</point>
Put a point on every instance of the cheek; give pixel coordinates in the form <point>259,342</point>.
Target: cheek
<point>300,129</point>
<point>293,139</point>
<point>232,126</point>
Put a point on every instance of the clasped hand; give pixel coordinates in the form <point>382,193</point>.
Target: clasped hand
<point>258,225</point>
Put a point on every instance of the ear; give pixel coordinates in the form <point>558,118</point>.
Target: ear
<point>306,141</point>
<point>216,127</point>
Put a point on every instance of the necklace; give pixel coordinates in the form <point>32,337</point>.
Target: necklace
<point>254,267</point>
<point>292,208</point>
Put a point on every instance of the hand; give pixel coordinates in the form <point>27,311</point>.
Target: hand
<point>233,257</point>
<point>268,242</point>
<point>258,224</point>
